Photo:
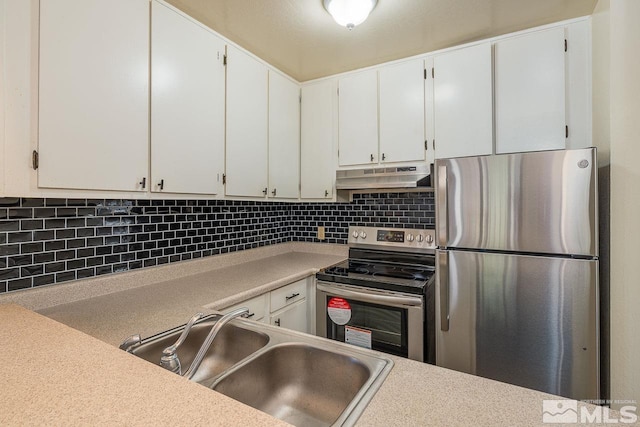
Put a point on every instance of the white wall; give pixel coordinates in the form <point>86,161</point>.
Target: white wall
<point>625,199</point>
<point>3,96</point>
<point>600,72</point>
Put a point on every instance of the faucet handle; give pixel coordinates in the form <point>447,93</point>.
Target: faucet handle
<point>169,359</point>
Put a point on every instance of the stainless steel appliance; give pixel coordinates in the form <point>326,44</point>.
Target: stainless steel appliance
<point>517,269</point>
<point>382,297</point>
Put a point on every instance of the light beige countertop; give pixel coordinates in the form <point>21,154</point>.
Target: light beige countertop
<point>57,375</point>
<point>161,306</point>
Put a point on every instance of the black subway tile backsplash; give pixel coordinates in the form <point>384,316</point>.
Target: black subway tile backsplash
<point>46,241</point>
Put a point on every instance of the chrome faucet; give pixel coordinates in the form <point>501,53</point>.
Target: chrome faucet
<point>169,359</point>
<point>244,312</point>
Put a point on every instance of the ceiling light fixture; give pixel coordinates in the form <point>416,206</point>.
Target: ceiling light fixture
<point>349,13</point>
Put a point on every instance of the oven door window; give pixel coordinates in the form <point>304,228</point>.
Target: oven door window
<point>388,326</point>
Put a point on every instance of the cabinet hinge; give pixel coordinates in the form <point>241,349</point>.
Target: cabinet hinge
<point>338,153</point>
<point>433,73</point>
<point>566,131</point>
<point>425,74</point>
<point>35,160</point>
<point>224,178</point>
<point>224,60</point>
<point>565,45</point>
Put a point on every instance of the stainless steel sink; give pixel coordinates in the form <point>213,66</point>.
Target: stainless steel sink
<point>232,344</point>
<point>298,378</point>
<point>298,383</point>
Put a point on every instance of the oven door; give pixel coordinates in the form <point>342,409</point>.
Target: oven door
<point>385,321</point>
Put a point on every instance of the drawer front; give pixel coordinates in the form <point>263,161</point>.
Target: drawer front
<point>288,294</point>
<point>255,305</point>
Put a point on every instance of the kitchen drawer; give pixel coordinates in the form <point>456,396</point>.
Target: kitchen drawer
<point>288,294</point>
<point>255,305</point>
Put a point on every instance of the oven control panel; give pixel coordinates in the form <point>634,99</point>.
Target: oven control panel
<point>408,239</point>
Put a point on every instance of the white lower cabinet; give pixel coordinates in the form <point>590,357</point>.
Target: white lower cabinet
<point>287,307</point>
<point>257,306</point>
<point>293,316</point>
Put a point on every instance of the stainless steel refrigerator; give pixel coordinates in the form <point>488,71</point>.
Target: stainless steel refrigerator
<point>517,269</point>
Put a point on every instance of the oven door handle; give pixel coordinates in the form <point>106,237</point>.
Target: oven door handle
<point>365,296</point>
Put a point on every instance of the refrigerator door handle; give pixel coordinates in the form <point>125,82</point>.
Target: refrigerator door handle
<point>442,207</point>
<point>443,272</point>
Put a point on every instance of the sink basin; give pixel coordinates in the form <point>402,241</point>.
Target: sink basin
<point>232,344</point>
<point>301,384</point>
<point>301,379</point>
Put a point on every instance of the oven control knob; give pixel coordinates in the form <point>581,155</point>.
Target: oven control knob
<point>429,239</point>
<point>363,234</point>
<point>355,234</point>
<point>410,237</point>
<point>420,238</point>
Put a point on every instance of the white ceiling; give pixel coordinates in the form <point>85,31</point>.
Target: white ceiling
<point>300,38</point>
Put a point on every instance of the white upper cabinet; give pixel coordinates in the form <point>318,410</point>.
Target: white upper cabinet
<point>530,92</point>
<point>429,115</point>
<point>94,94</point>
<point>402,112</point>
<point>187,105</point>
<point>358,119</point>
<point>317,161</point>
<point>284,137</point>
<point>247,125</point>
<point>463,107</point>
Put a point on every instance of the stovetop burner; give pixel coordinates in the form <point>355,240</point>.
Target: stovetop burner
<point>380,275</point>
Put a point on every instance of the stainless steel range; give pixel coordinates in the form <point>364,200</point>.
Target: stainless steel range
<point>382,297</point>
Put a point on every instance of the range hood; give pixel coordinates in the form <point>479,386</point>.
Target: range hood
<point>384,178</point>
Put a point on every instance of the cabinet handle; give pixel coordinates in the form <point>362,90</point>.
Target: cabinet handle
<point>161,184</point>
<point>265,191</point>
<point>383,156</point>
<point>143,183</point>
<point>274,192</point>
<point>292,296</point>
<point>372,157</point>
<point>249,315</point>
<point>277,322</point>
<point>326,193</point>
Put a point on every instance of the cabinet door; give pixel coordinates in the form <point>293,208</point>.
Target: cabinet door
<point>94,94</point>
<point>258,307</point>
<point>530,92</point>
<point>247,125</point>
<point>429,119</point>
<point>187,105</point>
<point>317,162</point>
<point>284,137</point>
<point>463,102</point>
<point>294,317</point>
<point>358,119</point>
<point>402,112</point>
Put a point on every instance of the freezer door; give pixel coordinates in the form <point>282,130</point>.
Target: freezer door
<point>542,202</point>
<point>524,320</point>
